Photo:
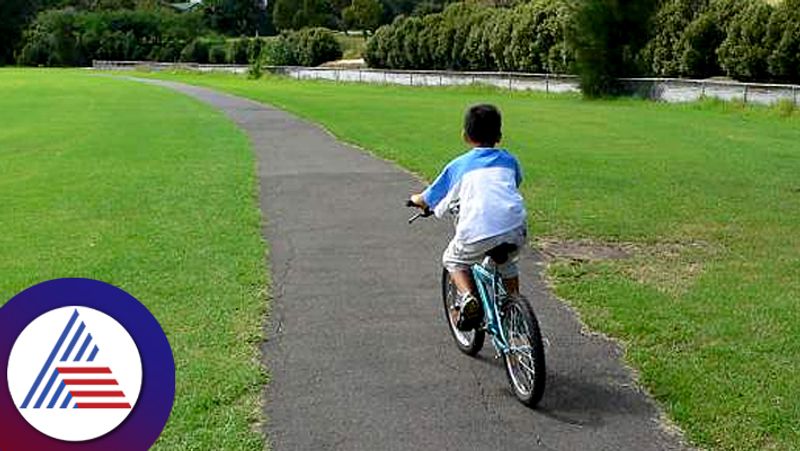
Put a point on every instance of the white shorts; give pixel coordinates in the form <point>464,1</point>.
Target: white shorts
<point>460,256</point>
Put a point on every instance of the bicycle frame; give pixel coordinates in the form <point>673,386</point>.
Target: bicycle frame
<point>486,279</point>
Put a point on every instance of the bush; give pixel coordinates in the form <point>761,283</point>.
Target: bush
<point>529,37</point>
<point>51,40</point>
<point>196,51</point>
<point>217,53</point>
<point>538,28</point>
<point>376,49</point>
<point>70,38</point>
<point>744,52</point>
<point>663,53</point>
<point>783,36</point>
<point>236,51</point>
<point>608,36</point>
<point>278,51</point>
<point>501,28</point>
<point>315,46</point>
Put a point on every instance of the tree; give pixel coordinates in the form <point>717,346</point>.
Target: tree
<point>783,34</point>
<point>744,52</point>
<point>297,14</point>
<point>235,17</point>
<point>607,36</point>
<point>363,15</point>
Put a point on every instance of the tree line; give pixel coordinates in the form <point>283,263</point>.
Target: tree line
<point>227,18</point>
<point>601,40</point>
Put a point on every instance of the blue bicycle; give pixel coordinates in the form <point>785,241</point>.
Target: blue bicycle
<point>508,319</point>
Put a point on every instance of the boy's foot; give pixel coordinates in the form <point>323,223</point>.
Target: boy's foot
<point>470,313</point>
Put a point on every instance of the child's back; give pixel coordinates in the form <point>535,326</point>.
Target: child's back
<point>484,183</point>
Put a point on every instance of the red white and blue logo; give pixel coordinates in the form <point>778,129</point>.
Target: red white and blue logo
<point>87,367</point>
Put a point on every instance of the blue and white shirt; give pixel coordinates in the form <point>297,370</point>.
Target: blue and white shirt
<point>485,183</point>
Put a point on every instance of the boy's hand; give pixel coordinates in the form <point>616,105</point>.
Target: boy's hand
<point>417,200</point>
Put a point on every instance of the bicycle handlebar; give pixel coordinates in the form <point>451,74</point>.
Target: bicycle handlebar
<point>424,213</point>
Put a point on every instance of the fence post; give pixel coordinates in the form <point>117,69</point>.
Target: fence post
<point>702,90</point>
<point>547,83</point>
<point>359,75</point>
<point>794,94</point>
<point>411,78</point>
<point>509,82</point>
<point>440,79</point>
<point>745,93</point>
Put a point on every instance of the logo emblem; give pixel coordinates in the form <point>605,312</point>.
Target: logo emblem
<point>86,367</point>
<point>61,381</point>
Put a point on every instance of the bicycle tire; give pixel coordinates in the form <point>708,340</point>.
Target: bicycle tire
<point>517,312</point>
<point>469,343</point>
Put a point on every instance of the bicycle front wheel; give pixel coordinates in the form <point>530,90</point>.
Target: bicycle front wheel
<point>525,366</point>
<point>469,342</point>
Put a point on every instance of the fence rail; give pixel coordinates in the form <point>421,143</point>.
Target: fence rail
<point>664,89</point>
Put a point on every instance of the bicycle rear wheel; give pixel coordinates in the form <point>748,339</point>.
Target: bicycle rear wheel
<point>469,342</point>
<point>525,365</point>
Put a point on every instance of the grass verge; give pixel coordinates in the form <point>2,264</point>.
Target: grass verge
<point>155,193</point>
<point>707,193</point>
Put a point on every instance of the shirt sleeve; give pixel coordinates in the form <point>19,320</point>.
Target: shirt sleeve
<point>439,188</point>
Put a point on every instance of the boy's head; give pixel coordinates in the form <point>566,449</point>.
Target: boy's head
<point>482,124</point>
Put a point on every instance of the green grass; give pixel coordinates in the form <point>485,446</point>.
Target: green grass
<point>708,193</point>
<point>155,193</point>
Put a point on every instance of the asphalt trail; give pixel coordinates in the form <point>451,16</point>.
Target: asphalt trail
<point>357,347</point>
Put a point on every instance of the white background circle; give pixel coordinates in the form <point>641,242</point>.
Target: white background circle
<point>117,351</point>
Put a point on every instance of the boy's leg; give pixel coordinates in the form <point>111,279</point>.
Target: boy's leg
<point>462,280</point>
<point>467,313</point>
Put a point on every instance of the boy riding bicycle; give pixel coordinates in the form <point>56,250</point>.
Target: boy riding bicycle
<point>484,184</point>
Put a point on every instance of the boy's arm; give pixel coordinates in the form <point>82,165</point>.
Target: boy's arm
<point>434,193</point>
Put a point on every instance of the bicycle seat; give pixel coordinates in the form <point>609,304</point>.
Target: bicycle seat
<point>500,253</point>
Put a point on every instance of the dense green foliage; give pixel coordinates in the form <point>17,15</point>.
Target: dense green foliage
<point>71,38</point>
<point>307,47</point>
<point>362,15</point>
<point>601,39</point>
<point>607,36</point>
<point>468,36</point>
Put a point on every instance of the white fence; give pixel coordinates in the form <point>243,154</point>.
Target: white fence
<point>664,89</point>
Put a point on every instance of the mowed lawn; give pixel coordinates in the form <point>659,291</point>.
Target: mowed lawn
<point>705,197</point>
<point>155,193</point>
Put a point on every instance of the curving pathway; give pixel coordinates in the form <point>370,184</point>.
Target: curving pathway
<point>358,351</point>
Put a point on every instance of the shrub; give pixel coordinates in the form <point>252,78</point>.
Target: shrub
<point>196,51</point>
<point>51,40</point>
<point>501,28</point>
<point>376,48</point>
<point>744,52</point>
<point>663,53</point>
<point>278,51</point>
<point>538,28</point>
<point>236,51</point>
<point>217,53</point>
<point>316,46</point>
<point>783,36</point>
<point>608,35</point>
<point>69,38</point>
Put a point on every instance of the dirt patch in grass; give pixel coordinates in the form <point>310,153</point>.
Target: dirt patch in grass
<point>669,267</point>
<point>583,250</point>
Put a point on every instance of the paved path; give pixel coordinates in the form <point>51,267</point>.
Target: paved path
<point>357,347</point>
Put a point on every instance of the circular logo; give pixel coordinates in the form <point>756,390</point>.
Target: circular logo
<point>74,373</point>
<point>87,367</point>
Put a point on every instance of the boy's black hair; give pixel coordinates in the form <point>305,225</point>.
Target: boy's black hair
<point>482,124</point>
